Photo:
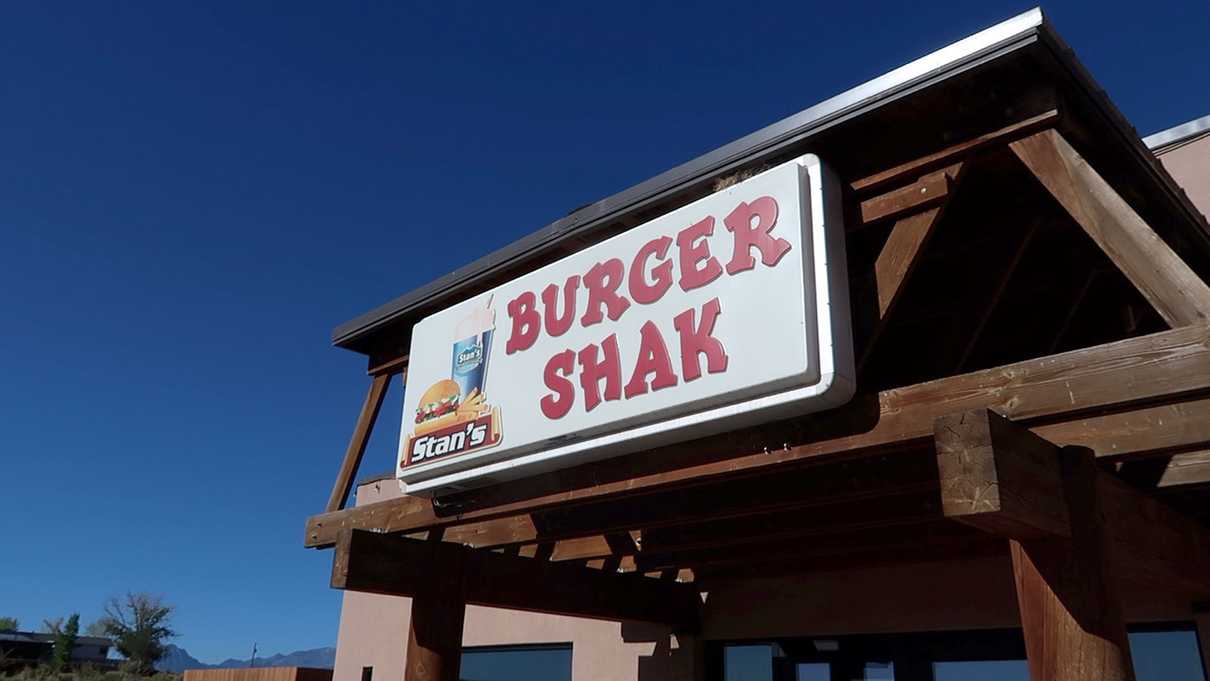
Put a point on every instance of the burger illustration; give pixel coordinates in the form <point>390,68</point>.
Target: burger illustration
<point>438,406</point>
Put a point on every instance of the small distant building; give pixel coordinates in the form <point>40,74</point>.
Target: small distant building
<point>23,649</point>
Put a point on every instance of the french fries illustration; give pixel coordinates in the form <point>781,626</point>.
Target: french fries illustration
<point>471,406</point>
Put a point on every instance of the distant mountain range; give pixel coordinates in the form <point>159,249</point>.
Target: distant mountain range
<point>177,659</point>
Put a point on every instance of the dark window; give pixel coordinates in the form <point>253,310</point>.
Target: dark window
<point>748,663</point>
<point>517,663</point>
<point>367,674</point>
<point>984,670</point>
<point>1167,652</point>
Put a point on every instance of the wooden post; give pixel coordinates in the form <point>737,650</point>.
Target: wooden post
<point>435,632</point>
<point>1070,611</point>
<point>1201,617</point>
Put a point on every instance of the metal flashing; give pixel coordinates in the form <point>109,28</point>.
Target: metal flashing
<point>1177,134</point>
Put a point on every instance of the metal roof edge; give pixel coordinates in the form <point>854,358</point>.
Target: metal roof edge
<point>949,58</point>
<point>1177,133</point>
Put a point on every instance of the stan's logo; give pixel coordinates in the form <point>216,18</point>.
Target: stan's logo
<point>448,424</point>
<point>454,440</point>
<point>468,359</point>
<point>452,416</point>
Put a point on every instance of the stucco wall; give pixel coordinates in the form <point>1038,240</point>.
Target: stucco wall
<point>1189,165</point>
<point>374,629</point>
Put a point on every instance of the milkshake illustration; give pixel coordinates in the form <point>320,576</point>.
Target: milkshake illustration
<point>453,415</point>
<point>472,346</point>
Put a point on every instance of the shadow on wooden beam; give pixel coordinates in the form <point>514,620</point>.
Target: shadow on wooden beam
<point>398,566</point>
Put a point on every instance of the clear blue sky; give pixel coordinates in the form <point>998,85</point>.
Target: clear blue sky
<point>191,197</point>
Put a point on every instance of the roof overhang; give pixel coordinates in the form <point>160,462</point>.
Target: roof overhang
<point>1015,69</point>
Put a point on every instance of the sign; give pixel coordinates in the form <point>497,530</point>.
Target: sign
<point>725,312</point>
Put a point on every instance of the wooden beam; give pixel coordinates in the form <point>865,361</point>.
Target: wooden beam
<point>1072,310</point>
<point>923,193</point>
<point>663,545</point>
<point>391,367</point>
<point>1136,433</point>
<point>1186,470</point>
<point>841,550</point>
<point>1068,385</point>
<point>434,649</point>
<point>900,255</point>
<point>955,152</point>
<point>1017,495</point>
<point>357,443</point>
<point>385,564</point>
<point>1172,288</point>
<point>815,490</point>
<point>990,307</point>
<point>1001,478</point>
<point>1067,592</point>
<point>1144,432</point>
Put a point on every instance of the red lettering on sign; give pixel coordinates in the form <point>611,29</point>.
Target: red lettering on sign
<point>526,322</point>
<point>602,282</point>
<point>592,370</point>
<point>739,222</point>
<point>557,405</point>
<point>661,275</point>
<point>555,325</point>
<point>694,251</point>
<point>653,359</point>
<point>697,339</point>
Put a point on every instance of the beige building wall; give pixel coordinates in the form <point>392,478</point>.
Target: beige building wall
<point>1189,164</point>
<point>374,630</point>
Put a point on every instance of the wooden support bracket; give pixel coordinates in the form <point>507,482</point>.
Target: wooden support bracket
<point>357,443</point>
<point>998,476</point>
<point>1172,288</point>
<point>955,152</point>
<point>907,240</point>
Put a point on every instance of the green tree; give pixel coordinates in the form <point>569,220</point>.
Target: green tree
<point>9,624</point>
<point>65,640</point>
<point>139,627</point>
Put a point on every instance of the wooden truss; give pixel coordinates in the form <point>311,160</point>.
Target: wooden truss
<point>1029,458</point>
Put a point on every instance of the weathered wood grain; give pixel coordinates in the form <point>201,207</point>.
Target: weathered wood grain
<point>998,476</point>
<point>1067,592</point>
<point>1065,386</point>
<point>357,443</point>
<point>386,564</point>
<point>1186,470</point>
<point>956,151</point>
<point>923,193</point>
<point>1001,478</point>
<point>434,646</point>
<point>1172,288</point>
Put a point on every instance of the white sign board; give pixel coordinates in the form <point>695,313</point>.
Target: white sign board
<point>729,311</point>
